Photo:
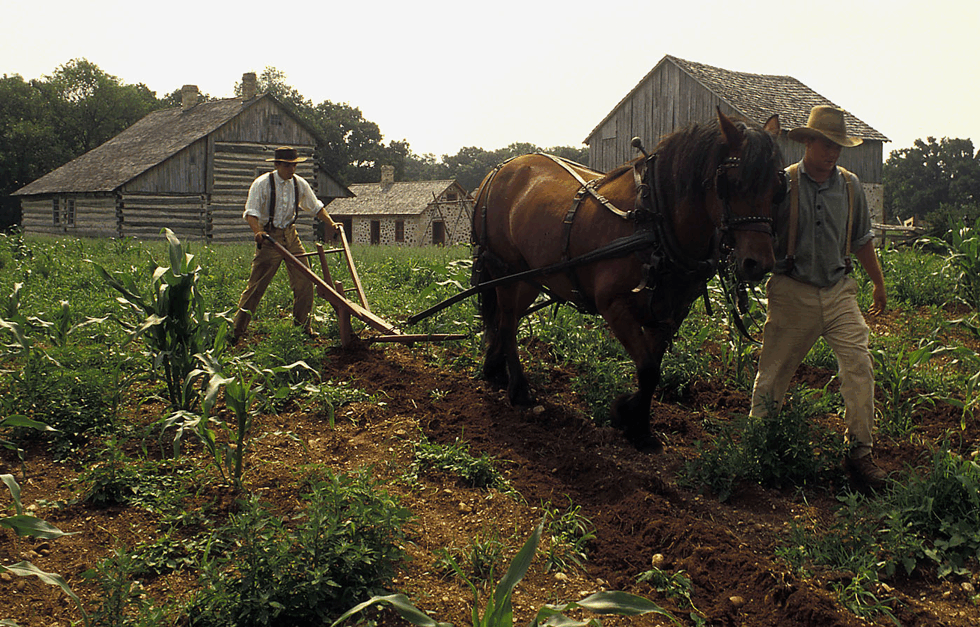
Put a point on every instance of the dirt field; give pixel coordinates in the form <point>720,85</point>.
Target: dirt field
<point>549,455</point>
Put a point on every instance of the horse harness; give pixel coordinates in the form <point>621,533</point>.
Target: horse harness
<point>667,263</point>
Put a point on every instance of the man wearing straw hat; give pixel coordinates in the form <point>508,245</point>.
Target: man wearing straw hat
<point>823,221</point>
<point>273,204</point>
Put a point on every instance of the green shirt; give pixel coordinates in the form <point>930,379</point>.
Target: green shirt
<point>820,245</point>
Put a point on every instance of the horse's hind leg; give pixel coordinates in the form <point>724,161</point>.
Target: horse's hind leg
<point>494,357</point>
<point>511,303</point>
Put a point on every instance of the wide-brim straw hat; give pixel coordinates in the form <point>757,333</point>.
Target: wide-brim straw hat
<point>287,154</point>
<point>828,123</point>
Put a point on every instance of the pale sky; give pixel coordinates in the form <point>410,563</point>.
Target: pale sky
<point>445,74</point>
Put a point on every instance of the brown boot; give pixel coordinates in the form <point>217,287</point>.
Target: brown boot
<point>865,472</point>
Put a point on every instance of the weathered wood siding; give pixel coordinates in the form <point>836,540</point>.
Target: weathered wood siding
<point>669,100</point>
<point>236,165</point>
<point>264,123</point>
<point>144,216</point>
<point>94,216</point>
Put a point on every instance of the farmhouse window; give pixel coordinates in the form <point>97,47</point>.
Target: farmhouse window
<point>451,197</point>
<point>275,119</point>
<point>439,233</point>
<point>55,212</point>
<point>70,212</point>
<point>375,232</point>
<point>399,230</point>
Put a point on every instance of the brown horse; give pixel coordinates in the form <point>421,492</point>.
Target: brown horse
<point>636,246</point>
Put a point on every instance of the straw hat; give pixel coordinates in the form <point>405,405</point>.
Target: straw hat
<point>287,154</point>
<point>828,123</point>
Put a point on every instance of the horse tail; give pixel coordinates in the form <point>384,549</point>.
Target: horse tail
<point>486,300</point>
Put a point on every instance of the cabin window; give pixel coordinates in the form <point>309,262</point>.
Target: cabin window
<point>55,212</point>
<point>451,197</point>
<point>70,211</point>
<point>275,119</point>
<point>375,232</point>
<point>439,233</point>
<point>399,230</point>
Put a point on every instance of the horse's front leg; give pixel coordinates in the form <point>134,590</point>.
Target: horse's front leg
<point>646,346</point>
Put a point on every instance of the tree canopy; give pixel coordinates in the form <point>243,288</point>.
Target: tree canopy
<point>46,122</point>
<point>935,181</point>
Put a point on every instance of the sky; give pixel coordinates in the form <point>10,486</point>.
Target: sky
<point>445,74</point>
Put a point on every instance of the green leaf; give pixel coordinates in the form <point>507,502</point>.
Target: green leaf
<point>518,568</point>
<point>401,604</point>
<point>622,603</point>
<point>14,488</point>
<point>25,525</point>
<point>25,569</point>
<point>23,421</point>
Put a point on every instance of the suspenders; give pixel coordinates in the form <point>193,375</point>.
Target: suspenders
<point>272,200</point>
<point>794,214</point>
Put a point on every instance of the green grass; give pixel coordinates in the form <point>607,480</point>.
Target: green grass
<point>60,317</point>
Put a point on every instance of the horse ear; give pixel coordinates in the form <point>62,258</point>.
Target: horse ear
<point>772,125</point>
<point>733,136</point>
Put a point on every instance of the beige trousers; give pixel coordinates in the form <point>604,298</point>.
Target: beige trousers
<point>265,264</point>
<point>799,314</point>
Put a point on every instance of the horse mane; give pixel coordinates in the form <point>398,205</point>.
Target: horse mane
<point>695,152</point>
<point>616,172</point>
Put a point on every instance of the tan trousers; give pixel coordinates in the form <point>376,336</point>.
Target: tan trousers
<point>798,315</point>
<point>265,264</point>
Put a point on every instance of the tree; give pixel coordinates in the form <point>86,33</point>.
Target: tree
<point>470,165</point>
<point>29,142</point>
<point>932,180</point>
<point>90,107</point>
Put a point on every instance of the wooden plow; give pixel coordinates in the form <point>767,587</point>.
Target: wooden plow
<point>335,293</point>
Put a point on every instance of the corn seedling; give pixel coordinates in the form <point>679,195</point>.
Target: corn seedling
<point>498,610</point>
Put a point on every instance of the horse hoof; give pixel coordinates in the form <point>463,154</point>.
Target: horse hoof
<point>524,401</point>
<point>616,412</point>
<point>649,444</point>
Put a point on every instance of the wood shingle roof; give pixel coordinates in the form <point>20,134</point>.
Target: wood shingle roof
<point>401,198</point>
<point>156,137</point>
<point>758,96</point>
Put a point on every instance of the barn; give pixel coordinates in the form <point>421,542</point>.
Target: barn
<point>186,168</point>
<point>408,213</point>
<point>677,92</point>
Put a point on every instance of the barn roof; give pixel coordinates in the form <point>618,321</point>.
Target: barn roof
<point>401,198</point>
<point>153,139</point>
<point>757,96</point>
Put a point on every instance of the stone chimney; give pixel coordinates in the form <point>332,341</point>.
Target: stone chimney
<point>387,175</point>
<point>249,85</point>
<point>188,97</point>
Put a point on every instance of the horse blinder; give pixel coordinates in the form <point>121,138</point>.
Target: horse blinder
<point>731,222</point>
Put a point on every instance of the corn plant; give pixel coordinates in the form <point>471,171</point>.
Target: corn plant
<point>499,612</point>
<point>247,388</point>
<point>963,248</point>
<point>25,525</point>
<point>175,325</point>
<point>895,373</point>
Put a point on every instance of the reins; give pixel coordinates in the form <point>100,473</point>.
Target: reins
<point>654,233</point>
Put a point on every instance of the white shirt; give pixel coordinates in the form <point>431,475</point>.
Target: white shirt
<point>257,203</point>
